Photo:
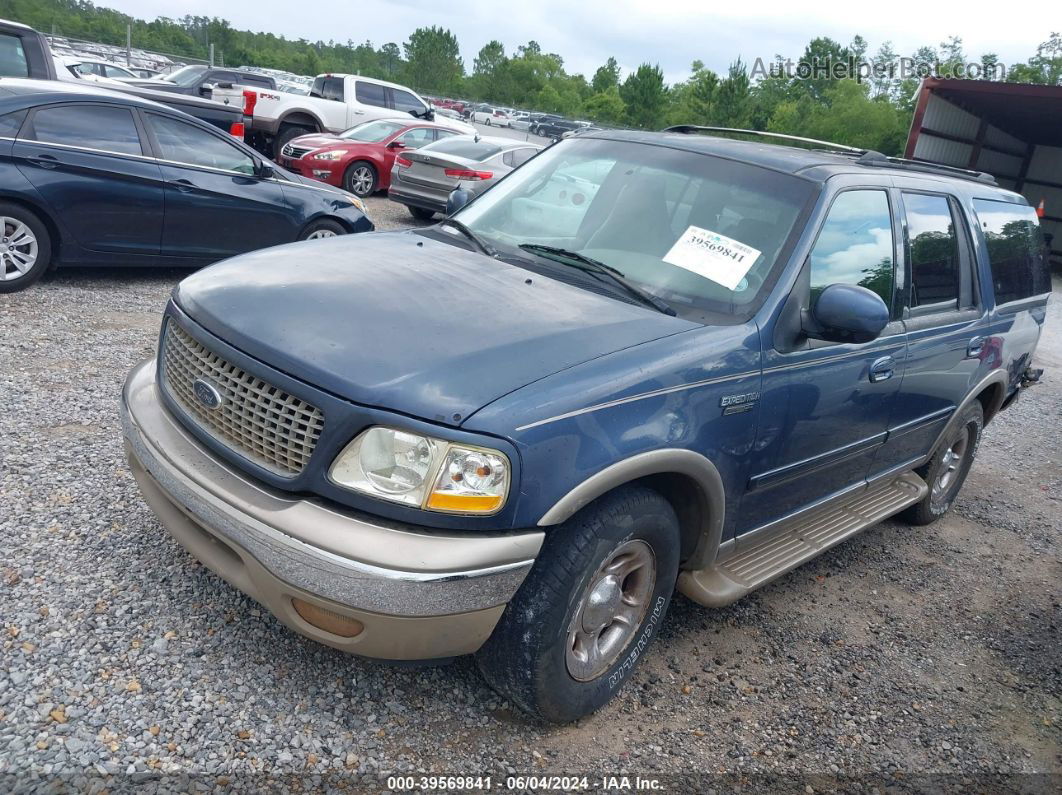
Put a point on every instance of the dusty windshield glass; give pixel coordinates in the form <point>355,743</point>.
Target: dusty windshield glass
<point>702,233</point>
<point>372,131</point>
<point>186,75</point>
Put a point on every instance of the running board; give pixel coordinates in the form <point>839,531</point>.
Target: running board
<point>745,567</point>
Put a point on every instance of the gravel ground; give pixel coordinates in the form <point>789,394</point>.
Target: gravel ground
<point>917,658</point>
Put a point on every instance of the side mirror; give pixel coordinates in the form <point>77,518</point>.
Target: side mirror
<point>263,169</point>
<point>396,145</point>
<point>847,313</point>
<point>206,89</point>
<point>457,199</point>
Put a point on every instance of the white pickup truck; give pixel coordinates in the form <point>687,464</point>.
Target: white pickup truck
<point>335,103</point>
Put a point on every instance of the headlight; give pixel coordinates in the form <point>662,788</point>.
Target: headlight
<point>355,201</point>
<point>424,472</point>
<point>334,154</point>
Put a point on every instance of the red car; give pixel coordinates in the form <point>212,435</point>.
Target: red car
<point>359,159</point>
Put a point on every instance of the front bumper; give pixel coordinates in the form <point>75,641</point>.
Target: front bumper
<point>416,594</point>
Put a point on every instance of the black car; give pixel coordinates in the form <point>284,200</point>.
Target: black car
<point>555,128</point>
<point>96,177</point>
<point>199,80</point>
<point>538,119</point>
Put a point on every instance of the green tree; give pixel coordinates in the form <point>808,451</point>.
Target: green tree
<point>645,96</point>
<point>1045,67</point>
<point>606,107</point>
<point>390,59</point>
<point>606,77</point>
<point>433,60</point>
<point>490,72</point>
<point>733,106</point>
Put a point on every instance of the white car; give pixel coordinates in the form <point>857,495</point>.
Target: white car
<point>336,102</point>
<point>492,117</point>
<point>68,69</point>
<point>112,71</point>
<point>521,120</point>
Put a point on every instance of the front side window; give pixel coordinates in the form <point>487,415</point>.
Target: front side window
<point>855,245</point>
<point>186,144</point>
<point>370,94</point>
<point>13,61</point>
<point>933,249</point>
<point>1015,246</point>
<point>115,71</point>
<point>704,234</point>
<point>404,101</point>
<point>87,126</point>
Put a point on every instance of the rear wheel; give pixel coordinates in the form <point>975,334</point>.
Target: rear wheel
<point>593,602</point>
<point>287,133</point>
<point>322,228</point>
<point>25,248</point>
<point>421,214</point>
<point>947,469</point>
<point>360,178</point>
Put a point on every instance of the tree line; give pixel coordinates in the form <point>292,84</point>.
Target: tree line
<point>870,111</point>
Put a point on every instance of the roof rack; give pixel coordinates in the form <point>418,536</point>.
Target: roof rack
<point>864,157</point>
<point>698,128</point>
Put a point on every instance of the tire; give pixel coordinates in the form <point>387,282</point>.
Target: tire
<point>287,133</point>
<point>420,213</point>
<point>946,471</point>
<point>322,228</point>
<point>25,248</point>
<point>361,178</point>
<point>541,656</point>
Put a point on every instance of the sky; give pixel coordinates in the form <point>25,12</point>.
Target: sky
<point>672,33</point>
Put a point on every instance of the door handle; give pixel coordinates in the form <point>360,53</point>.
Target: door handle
<point>44,161</point>
<point>882,369</point>
<point>183,185</point>
<point>975,347</point>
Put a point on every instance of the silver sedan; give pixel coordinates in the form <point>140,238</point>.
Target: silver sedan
<point>423,179</point>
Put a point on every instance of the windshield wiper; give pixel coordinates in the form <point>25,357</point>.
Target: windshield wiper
<point>481,244</point>
<point>591,265</point>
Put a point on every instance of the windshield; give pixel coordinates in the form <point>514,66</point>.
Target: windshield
<point>186,76</point>
<point>700,232</point>
<point>372,132</point>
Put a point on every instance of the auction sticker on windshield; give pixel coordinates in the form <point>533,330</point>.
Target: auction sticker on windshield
<point>714,256</point>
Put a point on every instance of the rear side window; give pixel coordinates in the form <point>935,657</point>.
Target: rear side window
<point>87,126</point>
<point>328,88</point>
<point>933,250</point>
<point>855,245</point>
<point>1015,249</point>
<point>182,143</point>
<point>11,122</point>
<point>12,57</point>
<point>370,94</point>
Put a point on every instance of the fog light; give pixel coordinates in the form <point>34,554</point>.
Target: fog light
<point>328,620</point>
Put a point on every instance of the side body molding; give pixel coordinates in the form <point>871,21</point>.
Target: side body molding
<point>711,496</point>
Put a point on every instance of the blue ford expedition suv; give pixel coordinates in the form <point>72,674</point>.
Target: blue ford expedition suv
<point>642,361</point>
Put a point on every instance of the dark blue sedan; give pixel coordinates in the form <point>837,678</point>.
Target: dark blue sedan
<point>94,177</point>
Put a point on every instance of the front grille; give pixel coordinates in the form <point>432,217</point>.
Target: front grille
<point>294,152</point>
<point>254,418</point>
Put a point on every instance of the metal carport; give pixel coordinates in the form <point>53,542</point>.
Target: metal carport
<point>1013,131</point>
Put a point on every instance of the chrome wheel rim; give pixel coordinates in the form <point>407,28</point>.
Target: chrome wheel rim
<point>320,233</point>
<point>18,249</point>
<point>610,610</point>
<point>361,181</point>
<point>950,464</point>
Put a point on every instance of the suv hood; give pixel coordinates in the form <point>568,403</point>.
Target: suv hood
<point>405,323</point>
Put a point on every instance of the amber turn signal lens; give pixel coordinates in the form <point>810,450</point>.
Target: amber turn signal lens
<point>328,620</point>
<point>464,503</point>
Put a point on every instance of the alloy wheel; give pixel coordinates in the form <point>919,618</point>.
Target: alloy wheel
<point>611,610</point>
<point>319,234</point>
<point>18,249</point>
<point>950,464</point>
<point>361,180</point>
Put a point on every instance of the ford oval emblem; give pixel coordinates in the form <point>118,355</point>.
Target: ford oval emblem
<point>207,394</point>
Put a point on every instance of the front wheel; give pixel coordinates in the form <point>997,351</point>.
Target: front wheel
<point>25,248</point>
<point>360,178</point>
<point>946,471</point>
<point>323,228</point>
<point>593,602</point>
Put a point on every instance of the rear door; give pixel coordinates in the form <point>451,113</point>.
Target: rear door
<point>216,205</point>
<point>89,163</point>
<point>947,346</point>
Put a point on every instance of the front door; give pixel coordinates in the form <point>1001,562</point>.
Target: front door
<point>87,162</point>
<point>824,407</point>
<point>216,205</point>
